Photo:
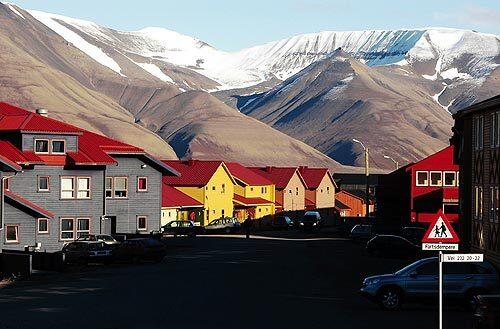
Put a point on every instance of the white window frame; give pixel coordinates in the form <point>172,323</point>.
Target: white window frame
<point>478,132</point>
<point>110,189</point>
<point>73,178</point>
<point>77,227</point>
<point>478,202</point>
<point>458,177</point>
<point>38,225</point>
<point>40,140</point>
<point>52,146</point>
<point>114,187</point>
<point>494,203</point>
<point>89,190</point>
<point>16,226</point>
<point>61,231</point>
<point>454,180</point>
<point>38,184</point>
<point>430,178</point>
<point>138,185</point>
<point>6,184</point>
<point>427,180</point>
<point>145,221</point>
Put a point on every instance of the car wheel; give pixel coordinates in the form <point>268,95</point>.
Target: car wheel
<point>470,298</point>
<point>390,298</point>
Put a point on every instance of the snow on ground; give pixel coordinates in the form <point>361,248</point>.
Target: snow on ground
<point>11,7</point>
<point>155,71</point>
<point>94,52</point>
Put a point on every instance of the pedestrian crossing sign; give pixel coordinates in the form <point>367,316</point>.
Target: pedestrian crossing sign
<point>440,231</point>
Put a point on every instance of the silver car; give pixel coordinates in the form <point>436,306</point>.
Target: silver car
<point>419,280</point>
<point>226,225</point>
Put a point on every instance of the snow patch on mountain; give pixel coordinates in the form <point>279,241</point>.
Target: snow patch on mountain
<point>14,10</point>
<point>50,20</point>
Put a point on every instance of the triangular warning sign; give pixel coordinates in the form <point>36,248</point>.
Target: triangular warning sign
<point>440,231</point>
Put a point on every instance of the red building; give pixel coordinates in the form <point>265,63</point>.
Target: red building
<point>417,191</point>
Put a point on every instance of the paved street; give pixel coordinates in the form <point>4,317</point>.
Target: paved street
<point>220,282</point>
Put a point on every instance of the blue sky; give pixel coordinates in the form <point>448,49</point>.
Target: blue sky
<point>232,25</point>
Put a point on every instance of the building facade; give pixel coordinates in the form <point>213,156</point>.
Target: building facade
<point>289,187</point>
<point>90,184</point>
<point>208,182</point>
<point>177,205</point>
<point>477,151</point>
<point>320,191</point>
<point>416,192</point>
<point>253,194</point>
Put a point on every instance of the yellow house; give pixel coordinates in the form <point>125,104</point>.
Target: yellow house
<point>253,194</point>
<point>176,205</point>
<point>208,182</point>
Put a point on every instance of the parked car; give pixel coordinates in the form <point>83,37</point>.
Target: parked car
<point>419,281</point>
<point>310,221</point>
<point>107,239</point>
<point>361,232</point>
<point>85,252</point>
<point>486,312</point>
<point>226,225</point>
<point>282,222</point>
<point>392,246</point>
<point>140,249</point>
<point>413,234</point>
<point>181,227</point>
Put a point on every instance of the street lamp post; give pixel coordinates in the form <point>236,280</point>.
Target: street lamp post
<point>367,174</point>
<point>392,159</point>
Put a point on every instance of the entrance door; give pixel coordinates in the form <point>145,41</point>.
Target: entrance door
<point>109,225</point>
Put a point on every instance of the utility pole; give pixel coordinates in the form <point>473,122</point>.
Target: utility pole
<point>392,159</point>
<point>367,174</point>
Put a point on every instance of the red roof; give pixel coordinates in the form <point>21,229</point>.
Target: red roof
<point>14,118</point>
<point>172,197</point>
<point>19,199</point>
<point>92,147</point>
<point>9,163</point>
<point>193,172</point>
<point>250,201</point>
<point>313,176</point>
<point>280,176</point>
<point>245,175</point>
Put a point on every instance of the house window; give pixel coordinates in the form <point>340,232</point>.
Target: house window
<point>450,208</point>
<point>67,187</point>
<point>67,228</point>
<point>6,183</point>
<point>222,213</point>
<point>436,178</point>
<point>58,146</point>
<point>142,223</point>
<point>296,191</point>
<point>495,130</point>
<point>213,188</point>
<point>422,178</point>
<point>109,187</point>
<point>83,227</point>
<point>121,187</point>
<point>478,132</point>
<point>251,188</point>
<point>42,146</point>
<point>223,188</point>
<point>43,225</point>
<point>328,190</point>
<point>43,183</point>
<point>478,202</point>
<point>11,233</point>
<point>142,184</point>
<point>494,203</point>
<point>450,178</point>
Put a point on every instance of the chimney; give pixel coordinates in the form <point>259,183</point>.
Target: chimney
<point>269,169</point>
<point>301,168</point>
<point>42,112</point>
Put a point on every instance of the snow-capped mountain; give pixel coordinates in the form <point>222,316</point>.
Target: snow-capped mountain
<point>435,53</point>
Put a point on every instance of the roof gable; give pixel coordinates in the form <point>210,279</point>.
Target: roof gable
<point>280,176</point>
<point>173,198</point>
<point>246,175</point>
<point>441,160</point>
<point>314,176</point>
<point>193,172</point>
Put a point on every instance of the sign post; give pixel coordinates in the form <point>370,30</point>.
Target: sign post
<point>440,236</point>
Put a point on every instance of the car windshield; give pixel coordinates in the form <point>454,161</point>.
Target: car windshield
<point>307,218</point>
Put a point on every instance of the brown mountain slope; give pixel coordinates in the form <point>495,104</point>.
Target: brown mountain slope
<point>34,75</point>
<point>200,126</point>
<point>332,101</point>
